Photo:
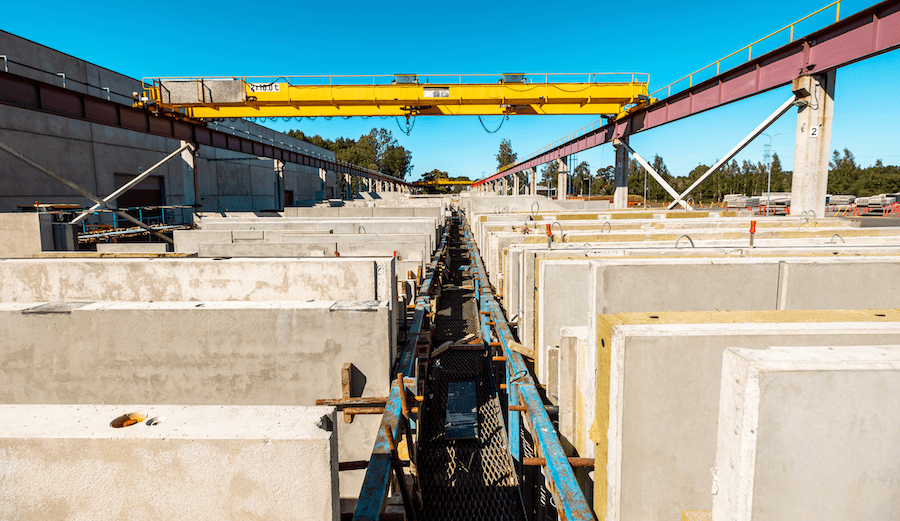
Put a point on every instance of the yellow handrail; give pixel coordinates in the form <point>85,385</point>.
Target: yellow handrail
<point>748,48</point>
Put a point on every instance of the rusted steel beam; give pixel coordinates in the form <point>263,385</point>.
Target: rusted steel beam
<point>351,402</point>
<point>363,410</point>
<point>575,462</point>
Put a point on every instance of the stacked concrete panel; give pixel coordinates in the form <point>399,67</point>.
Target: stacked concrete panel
<point>167,462</point>
<point>202,331</point>
<point>640,391</point>
<point>657,398</point>
<point>808,434</point>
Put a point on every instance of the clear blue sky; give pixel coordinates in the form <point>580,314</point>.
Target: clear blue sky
<point>665,39</point>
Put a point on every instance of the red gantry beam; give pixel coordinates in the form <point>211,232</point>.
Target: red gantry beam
<point>868,33</point>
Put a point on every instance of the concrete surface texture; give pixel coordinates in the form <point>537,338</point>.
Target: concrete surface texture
<point>181,280</point>
<point>288,242</point>
<point>657,399</point>
<point>198,462</point>
<point>133,247</point>
<point>23,235</point>
<point>517,279</point>
<point>192,353</point>
<point>206,353</point>
<point>51,280</point>
<point>602,222</point>
<point>807,434</point>
<point>497,243</point>
<point>698,284</point>
<point>350,211</point>
<point>348,225</point>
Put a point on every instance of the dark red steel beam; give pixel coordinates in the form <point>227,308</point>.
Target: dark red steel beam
<point>35,95</point>
<point>868,33</point>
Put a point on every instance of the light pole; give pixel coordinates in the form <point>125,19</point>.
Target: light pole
<point>769,168</point>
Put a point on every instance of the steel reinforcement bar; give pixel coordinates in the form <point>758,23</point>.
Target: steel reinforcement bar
<point>521,388</point>
<point>373,495</point>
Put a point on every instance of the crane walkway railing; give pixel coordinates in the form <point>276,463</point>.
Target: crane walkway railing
<point>521,389</point>
<point>373,495</point>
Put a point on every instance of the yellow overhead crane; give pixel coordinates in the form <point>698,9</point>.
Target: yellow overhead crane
<point>397,95</point>
<point>444,182</point>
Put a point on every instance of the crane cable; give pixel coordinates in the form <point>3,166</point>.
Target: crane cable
<point>409,126</point>
<point>498,126</point>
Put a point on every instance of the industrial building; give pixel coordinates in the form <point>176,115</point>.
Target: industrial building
<point>202,318</point>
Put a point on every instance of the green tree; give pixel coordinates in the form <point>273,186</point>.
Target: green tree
<point>549,175</point>
<point>506,155</point>
<point>605,181</point>
<point>779,182</point>
<point>377,150</point>
<point>433,176</point>
<point>581,179</point>
<point>844,175</point>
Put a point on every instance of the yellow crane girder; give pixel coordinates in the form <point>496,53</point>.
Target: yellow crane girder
<point>404,96</point>
<point>443,182</point>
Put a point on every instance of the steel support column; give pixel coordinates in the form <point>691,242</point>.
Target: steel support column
<point>189,173</point>
<point>620,196</point>
<point>279,184</point>
<point>813,143</point>
<point>323,181</point>
<point>562,183</point>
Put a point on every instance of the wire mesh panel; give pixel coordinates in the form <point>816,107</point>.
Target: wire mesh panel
<point>463,478</point>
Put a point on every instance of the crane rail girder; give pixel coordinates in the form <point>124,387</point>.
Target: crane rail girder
<point>239,98</point>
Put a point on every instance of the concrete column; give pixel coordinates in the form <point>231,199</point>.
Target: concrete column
<point>504,186</point>
<point>279,184</point>
<point>533,184</point>
<point>516,184</point>
<point>813,142</point>
<point>562,185</point>
<point>620,196</point>
<point>189,175</point>
<point>323,178</point>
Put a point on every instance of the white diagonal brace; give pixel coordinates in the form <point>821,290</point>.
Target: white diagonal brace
<point>740,146</point>
<point>130,184</point>
<point>662,182</point>
<point>80,190</point>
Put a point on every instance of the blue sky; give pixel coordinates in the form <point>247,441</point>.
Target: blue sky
<point>665,39</point>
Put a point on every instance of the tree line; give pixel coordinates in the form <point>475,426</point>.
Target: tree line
<point>749,178</point>
<point>377,150</point>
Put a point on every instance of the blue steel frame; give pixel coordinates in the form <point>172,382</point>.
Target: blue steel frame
<point>373,495</point>
<point>570,502</point>
<point>569,498</point>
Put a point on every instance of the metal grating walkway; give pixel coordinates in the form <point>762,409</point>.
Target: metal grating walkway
<point>463,478</point>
